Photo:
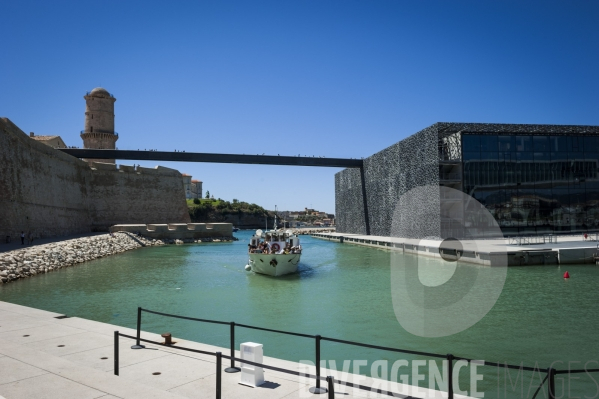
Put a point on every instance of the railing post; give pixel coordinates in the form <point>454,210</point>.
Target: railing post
<point>138,344</point>
<point>331,387</point>
<point>232,369</point>
<point>116,353</point>
<point>317,361</point>
<point>450,376</point>
<point>317,389</point>
<point>219,361</point>
<point>551,393</point>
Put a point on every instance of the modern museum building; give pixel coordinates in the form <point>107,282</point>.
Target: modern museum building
<point>533,179</point>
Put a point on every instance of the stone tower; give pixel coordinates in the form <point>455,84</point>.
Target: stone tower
<point>99,122</point>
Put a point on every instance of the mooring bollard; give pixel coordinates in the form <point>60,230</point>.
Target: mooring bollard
<point>450,376</point>
<point>168,338</point>
<point>317,389</point>
<point>116,353</point>
<point>219,361</point>
<point>232,369</point>
<point>138,344</point>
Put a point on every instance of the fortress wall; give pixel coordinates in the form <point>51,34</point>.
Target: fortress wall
<point>389,174</point>
<point>148,196</point>
<point>103,166</point>
<point>127,168</point>
<point>41,190</point>
<point>50,193</point>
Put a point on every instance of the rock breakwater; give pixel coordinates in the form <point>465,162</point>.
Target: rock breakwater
<point>45,258</point>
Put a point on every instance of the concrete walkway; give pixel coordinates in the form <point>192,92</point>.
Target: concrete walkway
<point>45,357</point>
<point>569,249</point>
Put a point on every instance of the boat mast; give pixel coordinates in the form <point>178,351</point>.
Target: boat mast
<point>275,228</point>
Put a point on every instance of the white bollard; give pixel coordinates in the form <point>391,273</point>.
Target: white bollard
<point>251,375</point>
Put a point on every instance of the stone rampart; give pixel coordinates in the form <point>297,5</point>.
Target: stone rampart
<point>51,193</point>
<point>145,196</point>
<point>41,189</point>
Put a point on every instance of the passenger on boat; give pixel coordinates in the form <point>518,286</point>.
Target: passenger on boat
<point>265,248</point>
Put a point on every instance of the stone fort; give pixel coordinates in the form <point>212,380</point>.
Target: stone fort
<point>50,193</point>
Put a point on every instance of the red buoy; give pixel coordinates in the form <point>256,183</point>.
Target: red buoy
<point>566,274</point>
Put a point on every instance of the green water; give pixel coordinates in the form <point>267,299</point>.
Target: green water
<point>341,291</point>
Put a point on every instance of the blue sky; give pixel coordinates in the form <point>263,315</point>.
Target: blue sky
<point>334,78</point>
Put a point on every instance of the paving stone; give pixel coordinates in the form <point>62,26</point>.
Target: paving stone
<point>127,356</point>
<point>75,343</point>
<point>14,370</point>
<point>28,335</point>
<point>48,386</point>
<point>174,371</point>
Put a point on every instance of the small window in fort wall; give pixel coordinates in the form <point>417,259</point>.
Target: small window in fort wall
<point>91,129</point>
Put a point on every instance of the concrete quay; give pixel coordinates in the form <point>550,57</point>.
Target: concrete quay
<point>487,252</point>
<point>180,231</point>
<point>44,356</point>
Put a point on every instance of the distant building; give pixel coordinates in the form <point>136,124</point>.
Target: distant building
<point>295,214</point>
<point>51,141</point>
<point>187,185</point>
<point>193,188</point>
<point>196,189</point>
<point>311,216</point>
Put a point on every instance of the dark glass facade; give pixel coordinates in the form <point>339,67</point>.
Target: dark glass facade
<point>534,184</point>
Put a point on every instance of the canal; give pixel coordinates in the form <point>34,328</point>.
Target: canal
<point>341,291</point>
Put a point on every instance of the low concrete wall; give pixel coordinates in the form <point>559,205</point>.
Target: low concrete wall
<point>576,255</point>
<point>178,230</point>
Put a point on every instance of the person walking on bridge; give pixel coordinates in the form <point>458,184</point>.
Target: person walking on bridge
<point>22,238</point>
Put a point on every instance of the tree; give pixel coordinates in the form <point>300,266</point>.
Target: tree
<point>196,201</point>
<point>207,194</point>
<point>235,200</point>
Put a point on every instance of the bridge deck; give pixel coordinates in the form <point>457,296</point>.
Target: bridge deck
<point>213,158</point>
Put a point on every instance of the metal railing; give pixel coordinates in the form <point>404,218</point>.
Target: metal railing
<point>550,372</point>
<point>219,356</point>
<point>115,133</point>
<point>531,240</point>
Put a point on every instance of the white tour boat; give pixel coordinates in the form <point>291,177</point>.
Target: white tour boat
<point>274,252</point>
